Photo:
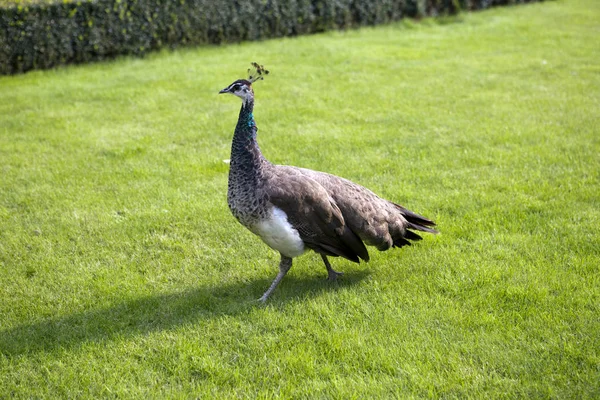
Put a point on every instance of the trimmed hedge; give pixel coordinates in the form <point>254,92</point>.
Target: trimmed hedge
<point>45,35</point>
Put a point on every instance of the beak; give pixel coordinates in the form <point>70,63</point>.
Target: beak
<point>224,91</point>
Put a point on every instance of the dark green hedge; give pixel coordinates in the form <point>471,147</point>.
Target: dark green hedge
<point>45,35</point>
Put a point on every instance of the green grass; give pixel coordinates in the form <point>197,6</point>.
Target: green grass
<point>122,273</point>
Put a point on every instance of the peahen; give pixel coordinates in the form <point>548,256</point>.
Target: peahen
<point>295,209</point>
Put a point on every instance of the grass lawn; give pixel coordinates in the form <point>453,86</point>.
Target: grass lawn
<point>123,274</point>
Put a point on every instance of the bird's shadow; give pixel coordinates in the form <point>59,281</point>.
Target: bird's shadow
<point>160,312</point>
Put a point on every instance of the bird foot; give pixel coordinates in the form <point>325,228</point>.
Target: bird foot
<point>263,299</point>
<point>333,275</point>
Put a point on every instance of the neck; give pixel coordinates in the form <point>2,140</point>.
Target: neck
<point>246,128</point>
<point>245,153</point>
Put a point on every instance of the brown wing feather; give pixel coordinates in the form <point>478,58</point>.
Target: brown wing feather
<point>313,213</point>
<point>376,221</point>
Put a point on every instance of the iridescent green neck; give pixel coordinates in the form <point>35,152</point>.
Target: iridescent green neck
<point>245,153</point>
<point>246,126</point>
<point>250,120</point>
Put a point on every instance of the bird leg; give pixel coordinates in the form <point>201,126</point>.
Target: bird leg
<point>284,266</point>
<point>332,275</point>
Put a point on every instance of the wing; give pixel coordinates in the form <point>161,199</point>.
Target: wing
<point>377,221</point>
<point>313,213</point>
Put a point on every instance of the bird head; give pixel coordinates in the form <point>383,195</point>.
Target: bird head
<point>242,88</point>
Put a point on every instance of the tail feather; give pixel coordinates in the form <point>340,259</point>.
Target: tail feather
<point>421,228</point>
<point>416,221</point>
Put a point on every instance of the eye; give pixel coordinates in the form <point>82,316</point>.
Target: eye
<point>236,87</point>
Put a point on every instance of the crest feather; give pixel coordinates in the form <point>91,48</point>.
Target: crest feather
<point>257,72</point>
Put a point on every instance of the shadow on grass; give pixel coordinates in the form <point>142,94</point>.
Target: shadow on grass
<point>160,312</point>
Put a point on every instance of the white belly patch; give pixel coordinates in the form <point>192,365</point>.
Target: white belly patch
<point>279,234</point>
